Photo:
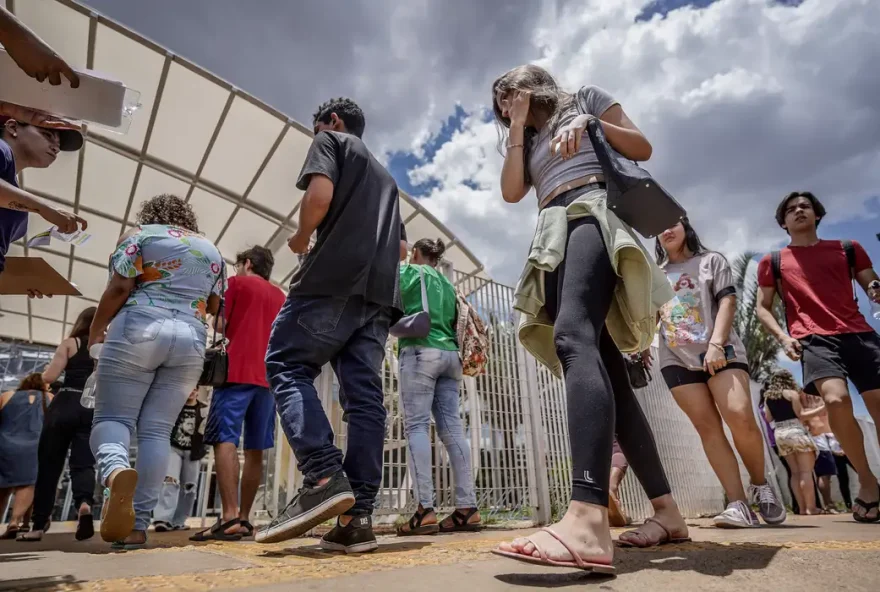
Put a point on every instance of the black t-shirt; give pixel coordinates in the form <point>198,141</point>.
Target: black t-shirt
<point>358,248</point>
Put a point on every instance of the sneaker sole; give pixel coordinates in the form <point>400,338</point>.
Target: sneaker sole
<point>358,548</point>
<point>117,520</point>
<point>775,522</point>
<point>733,525</point>
<point>328,509</point>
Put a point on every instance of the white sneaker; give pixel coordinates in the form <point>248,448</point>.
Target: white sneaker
<point>769,507</point>
<point>737,515</point>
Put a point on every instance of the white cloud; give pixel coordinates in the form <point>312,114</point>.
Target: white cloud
<point>744,101</point>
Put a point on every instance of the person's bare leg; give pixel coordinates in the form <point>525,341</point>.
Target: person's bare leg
<point>803,464</point>
<point>794,482</point>
<point>697,403</point>
<point>825,491</point>
<point>251,476</point>
<point>730,389</point>
<point>835,393</point>
<point>227,468</point>
<point>24,499</point>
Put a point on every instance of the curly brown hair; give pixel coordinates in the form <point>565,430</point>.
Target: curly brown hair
<point>169,210</point>
<point>781,380</point>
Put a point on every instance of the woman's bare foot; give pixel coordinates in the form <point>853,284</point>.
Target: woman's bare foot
<point>135,538</point>
<point>584,527</point>
<point>666,524</point>
<point>868,494</point>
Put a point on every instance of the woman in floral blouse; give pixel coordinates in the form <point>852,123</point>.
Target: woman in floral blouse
<point>165,278</point>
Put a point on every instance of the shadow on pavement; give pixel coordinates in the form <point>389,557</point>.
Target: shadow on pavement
<point>64,542</point>
<point>44,584</point>
<point>711,559</point>
<point>315,552</point>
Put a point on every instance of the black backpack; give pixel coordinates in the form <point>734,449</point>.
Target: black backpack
<point>776,266</point>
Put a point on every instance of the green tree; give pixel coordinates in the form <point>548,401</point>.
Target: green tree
<point>762,349</point>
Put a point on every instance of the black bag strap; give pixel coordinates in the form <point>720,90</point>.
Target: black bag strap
<point>850,252</point>
<point>220,311</point>
<point>776,266</point>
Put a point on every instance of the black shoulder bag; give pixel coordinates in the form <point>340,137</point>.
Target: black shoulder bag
<point>633,194</point>
<point>216,367</point>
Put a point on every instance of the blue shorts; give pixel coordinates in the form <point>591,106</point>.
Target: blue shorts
<point>234,406</point>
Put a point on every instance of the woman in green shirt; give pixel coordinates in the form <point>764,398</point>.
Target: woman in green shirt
<point>430,376</point>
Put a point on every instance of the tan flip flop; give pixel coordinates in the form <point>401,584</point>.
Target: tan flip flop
<point>117,516</point>
<point>616,517</point>
<point>666,539</point>
<point>578,563</point>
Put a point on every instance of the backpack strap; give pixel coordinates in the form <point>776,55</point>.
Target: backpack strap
<point>776,267</point>
<point>850,252</point>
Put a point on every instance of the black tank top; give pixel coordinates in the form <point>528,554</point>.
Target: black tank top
<point>781,409</point>
<point>79,366</point>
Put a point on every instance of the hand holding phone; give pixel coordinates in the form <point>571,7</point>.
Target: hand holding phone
<point>716,362</point>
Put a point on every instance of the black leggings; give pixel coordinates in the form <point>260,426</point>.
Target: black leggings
<point>600,399</point>
<point>68,427</point>
<point>842,463</point>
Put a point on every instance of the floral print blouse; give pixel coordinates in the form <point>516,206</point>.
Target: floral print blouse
<point>174,268</point>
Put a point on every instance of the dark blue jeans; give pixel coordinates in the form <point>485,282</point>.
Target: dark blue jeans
<point>350,334</point>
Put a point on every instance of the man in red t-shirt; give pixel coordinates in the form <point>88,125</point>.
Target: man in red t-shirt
<point>251,305</point>
<point>826,331</point>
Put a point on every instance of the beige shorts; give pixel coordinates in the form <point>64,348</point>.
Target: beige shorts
<point>791,436</point>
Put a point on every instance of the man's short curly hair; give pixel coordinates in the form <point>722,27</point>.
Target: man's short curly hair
<point>169,210</point>
<point>347,110</point>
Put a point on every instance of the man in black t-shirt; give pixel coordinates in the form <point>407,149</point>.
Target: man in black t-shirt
<point>342,301</point>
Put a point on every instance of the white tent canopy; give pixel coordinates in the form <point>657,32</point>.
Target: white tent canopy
<point>233,157</point>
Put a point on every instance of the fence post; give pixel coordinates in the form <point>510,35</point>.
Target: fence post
<point>536,443</point>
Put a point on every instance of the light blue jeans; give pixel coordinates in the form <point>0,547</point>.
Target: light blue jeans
<point>429,382</point>
<point>178,490</point>
<point>151,361</point>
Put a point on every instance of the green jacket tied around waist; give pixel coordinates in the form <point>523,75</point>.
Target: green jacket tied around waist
<point>632,319</point>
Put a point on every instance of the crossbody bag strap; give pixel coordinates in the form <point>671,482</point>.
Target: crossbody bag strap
<point>424,290</point>
<point>776,267</point>
<point>850,252</point>
<point>220,311</point>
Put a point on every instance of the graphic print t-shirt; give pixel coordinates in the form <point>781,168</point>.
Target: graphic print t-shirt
<point>357,252</point>
<point>184,428</point>
<point>688,320</point>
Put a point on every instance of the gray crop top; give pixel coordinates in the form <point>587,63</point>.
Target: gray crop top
<point>549,171</point>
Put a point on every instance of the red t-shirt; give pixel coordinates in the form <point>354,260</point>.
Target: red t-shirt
<point>818,288</point>
<point>252,304</point>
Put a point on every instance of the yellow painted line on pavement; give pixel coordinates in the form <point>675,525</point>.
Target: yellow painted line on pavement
<point>288,562</point>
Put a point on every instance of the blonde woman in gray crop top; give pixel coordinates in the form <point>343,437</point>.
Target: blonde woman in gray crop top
<point>546,147</point>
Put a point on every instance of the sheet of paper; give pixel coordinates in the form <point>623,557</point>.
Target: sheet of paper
<point>43,239</point>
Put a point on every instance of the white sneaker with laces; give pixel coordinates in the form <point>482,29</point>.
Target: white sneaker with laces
<point>769,507</point>
<point>737,515</point>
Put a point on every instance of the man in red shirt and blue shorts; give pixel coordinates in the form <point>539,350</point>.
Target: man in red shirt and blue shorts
<point>816,280</point>
<point>251,304</point>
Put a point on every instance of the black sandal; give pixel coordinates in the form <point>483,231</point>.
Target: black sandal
<point>415,525</point>
<point>85,527</point>
<point>868,506</point>
<point>248,527</point>
<point>460,522</point>
<point>13,530</point>
<point>217,532</point>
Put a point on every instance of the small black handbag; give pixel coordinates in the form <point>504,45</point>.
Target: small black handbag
<point>633,194</point>
<point>639,375</point>
<point>216,368</point>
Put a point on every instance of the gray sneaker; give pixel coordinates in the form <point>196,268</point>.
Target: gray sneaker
<point>737,515</point>
<point>769,507</point>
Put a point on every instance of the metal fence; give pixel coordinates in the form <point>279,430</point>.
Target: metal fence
<point>516,422</point>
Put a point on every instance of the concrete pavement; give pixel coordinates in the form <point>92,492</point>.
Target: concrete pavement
<point>807,554</point>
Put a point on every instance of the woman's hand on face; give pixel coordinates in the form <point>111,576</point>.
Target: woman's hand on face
<point>568,139</point>
<point>517,107</point>
<point>714,360</point>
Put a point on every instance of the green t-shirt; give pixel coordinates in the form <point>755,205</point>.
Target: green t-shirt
<point>441,305</point>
